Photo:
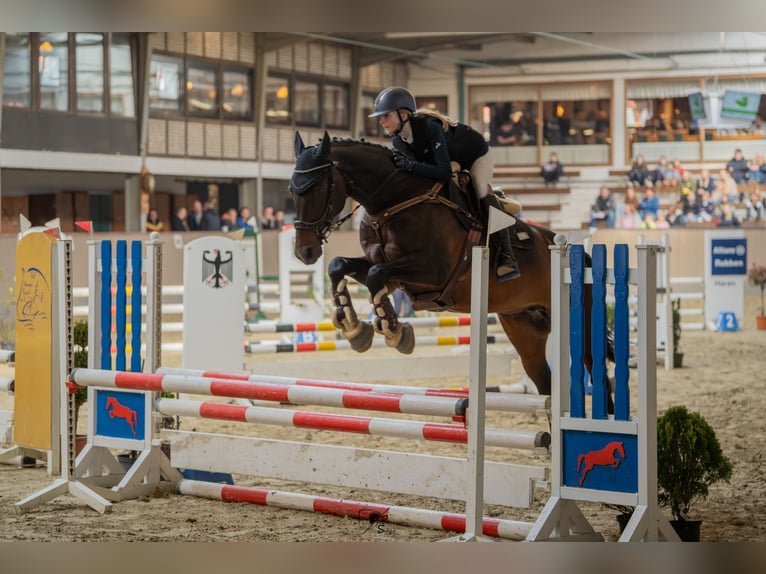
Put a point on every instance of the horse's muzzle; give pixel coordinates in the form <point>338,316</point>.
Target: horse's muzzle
<point>308,254</point>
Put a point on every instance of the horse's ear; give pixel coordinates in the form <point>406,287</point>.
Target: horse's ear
<point>324,146</point>
<point>299,147</point>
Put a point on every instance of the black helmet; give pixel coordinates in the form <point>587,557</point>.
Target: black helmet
<point>392,99</point>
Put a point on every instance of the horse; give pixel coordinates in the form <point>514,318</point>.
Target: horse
<point>115,409</point>
<point>602,457</point>
<point>418,237</point>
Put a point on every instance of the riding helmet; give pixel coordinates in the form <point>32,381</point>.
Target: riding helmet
<point>392,99</point>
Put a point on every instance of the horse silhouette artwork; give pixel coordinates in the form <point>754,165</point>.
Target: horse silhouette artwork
<point>416,234</point>
<point>116,410</point>
<point>602,457</point>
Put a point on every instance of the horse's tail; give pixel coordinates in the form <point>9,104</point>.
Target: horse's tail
<point>580,458</point>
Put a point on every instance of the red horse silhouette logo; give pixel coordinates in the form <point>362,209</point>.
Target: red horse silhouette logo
<point>115,409</point>
<point>601,457</point>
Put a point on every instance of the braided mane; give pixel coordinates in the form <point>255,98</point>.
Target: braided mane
<point>352,141</point>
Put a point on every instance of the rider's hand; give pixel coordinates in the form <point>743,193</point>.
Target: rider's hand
<point>404,162</point>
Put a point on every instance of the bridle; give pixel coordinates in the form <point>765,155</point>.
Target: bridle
<point>321,226</point>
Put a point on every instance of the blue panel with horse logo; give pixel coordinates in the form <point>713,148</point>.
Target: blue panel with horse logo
<point>120,414</point>
<point>600,461</point>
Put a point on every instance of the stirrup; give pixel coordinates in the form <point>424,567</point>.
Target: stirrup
<point>507,272</point>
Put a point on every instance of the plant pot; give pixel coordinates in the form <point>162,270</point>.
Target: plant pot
<point>760,322</point>
<point>80,441</point>
<point>678,360</point>
<point>687,530</point>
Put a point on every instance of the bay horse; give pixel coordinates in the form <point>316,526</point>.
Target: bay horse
<point>414,236</point>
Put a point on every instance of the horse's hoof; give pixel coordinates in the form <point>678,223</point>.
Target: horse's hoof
<point>363,341</point>
<point>407,341</point>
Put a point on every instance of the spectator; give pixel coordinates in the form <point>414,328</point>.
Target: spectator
<point>737,167</point>
<point>726,187</point>
<point>639,171</point>
<point>661,171</point>
<point>552,170</point>
<point>153,221</point>
<point>662,221</point>
<point>758,168</point>
<point>279,219</point>
<point>678,172</point>
<point>267,217</point>
<point>507,134</point>
<point>402,304</point>
<point>706,181</point>
<point>196,216</point>
<point>211,221</point>
<point>630,199</point>
<point>649,205</point>
<point>727,217</point>
<point>243,217</point>
<point>649,222</point>
<point>603,208</point>
<point>629,219</point>
<point>178,221</point>
<point>754,205</point>
<point>229,220</point>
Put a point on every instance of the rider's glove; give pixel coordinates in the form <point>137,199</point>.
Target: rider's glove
<point>404,162</point>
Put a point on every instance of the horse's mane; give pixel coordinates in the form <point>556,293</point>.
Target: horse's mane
<point>352,141</point>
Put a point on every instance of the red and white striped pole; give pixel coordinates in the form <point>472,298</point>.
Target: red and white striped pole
<point>397,428</point>
<point>402,515</point>
<point>495,401</point>
<point>266,391</point>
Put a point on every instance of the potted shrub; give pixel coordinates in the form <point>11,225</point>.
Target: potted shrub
<point>689,460</point>
<point>757,277</point>
<point>678,352</point>
<point>80,360</point>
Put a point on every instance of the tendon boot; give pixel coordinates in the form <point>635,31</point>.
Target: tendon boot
<point>507,267</point>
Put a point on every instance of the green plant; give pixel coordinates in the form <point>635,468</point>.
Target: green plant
<point>8,315</point>
<point>677,331</point>
<point>80,359</point>
<point>689,460</point>
<point>757,277</point>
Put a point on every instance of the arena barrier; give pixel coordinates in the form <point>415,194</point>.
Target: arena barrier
<point>595,456</point>
<point>6,385</point>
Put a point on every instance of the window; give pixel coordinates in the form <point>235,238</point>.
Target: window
<point>165,85</point>
<point>17,77</point>
<point>121,87</point>
<point>237,95</point>
<point>306,103</point>
<point>335,106</point>
<point>89,60</point>
<point>278,99</point>
<point>576,114</point>
<point>53,71</point>
<point>70,72</point>
<point>202,89</point>
<point>371,125</point>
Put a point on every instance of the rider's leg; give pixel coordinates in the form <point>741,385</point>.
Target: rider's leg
<point>481,172</point>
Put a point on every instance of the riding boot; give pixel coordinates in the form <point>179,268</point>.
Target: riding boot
<point>507,267</point>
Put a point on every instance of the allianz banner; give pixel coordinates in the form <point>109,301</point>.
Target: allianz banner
<point>729,256</point>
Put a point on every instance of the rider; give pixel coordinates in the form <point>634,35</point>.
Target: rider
<point>426,141</point>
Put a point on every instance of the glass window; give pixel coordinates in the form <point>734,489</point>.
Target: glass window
<point>371,125</point>
<point>335,106</point>
<point>512,123</point>
<point>166,77</point>
<point>237,93</point>
<point>17,77</point>
<point>202,89</point>
<point>89,62</point>
<point>306,103</point>
<point>576,114</point>
<point>278,99</point>
<point>121,87</point>
<point>53,71</point>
